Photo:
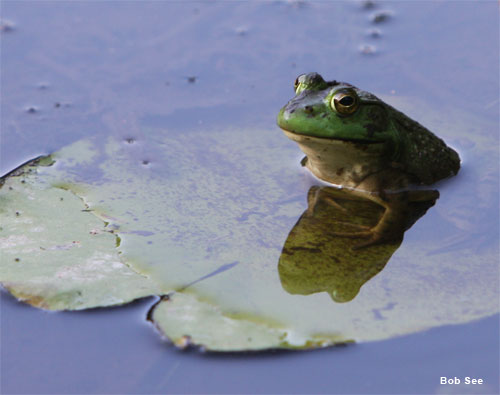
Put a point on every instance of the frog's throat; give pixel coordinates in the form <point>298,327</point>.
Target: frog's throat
<point>341,162</point>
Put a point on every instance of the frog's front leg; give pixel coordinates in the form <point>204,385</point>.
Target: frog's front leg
<point>401,210</point>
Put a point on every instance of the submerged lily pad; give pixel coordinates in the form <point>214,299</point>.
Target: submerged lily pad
<point>204,217</point>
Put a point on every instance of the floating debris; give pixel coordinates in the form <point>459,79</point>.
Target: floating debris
<point>6,26</point>
<point>381,16</point>
<point>241,31</point>
<point>367,49</point>
<point>31,110</point>
<point>192,79</point>
<point>297,3</point>
<point>368,4</point>
<point>183,342</point>
<point>374,33</point>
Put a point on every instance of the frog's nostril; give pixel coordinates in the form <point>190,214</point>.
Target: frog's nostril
<point>308,109</point>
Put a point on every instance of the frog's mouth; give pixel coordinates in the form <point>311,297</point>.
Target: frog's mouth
<point>327,140</point>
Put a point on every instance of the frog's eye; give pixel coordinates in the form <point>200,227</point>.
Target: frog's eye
<point>297,82</point>
<point>345,102</point>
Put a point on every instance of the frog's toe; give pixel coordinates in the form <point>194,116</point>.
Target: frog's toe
<point>372,237</point>
<point>362,228</point>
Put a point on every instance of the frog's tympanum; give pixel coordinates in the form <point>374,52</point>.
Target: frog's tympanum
<point>355,140</point>
<point>314,259</point>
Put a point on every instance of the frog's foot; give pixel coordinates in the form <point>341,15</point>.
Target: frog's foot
<point>315,194</point>
<point>372,237</point>
<point>331,201</point>
<point>362,228</point>
<point>387,230</point>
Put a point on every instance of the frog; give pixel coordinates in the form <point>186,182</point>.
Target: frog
<point>354,140</point>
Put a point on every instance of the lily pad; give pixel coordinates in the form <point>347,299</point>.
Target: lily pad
<point>203,216</point>
<point>56,254</point>
<point>186,320</point>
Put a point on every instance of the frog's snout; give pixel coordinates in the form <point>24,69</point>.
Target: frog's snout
<point>284,116</point>
<point>280,120</point>
<point>293,105</point>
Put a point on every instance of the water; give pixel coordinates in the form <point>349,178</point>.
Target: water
<point>82,74</point>
<point>114,351</point>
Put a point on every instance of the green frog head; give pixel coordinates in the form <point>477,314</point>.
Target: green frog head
<point>335,110</point>
<point>348,135</point>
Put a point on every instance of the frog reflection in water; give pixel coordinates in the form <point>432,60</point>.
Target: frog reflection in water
<point>314,259</point>
<point>354,140</point>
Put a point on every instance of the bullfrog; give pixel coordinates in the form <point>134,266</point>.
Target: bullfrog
<point>349,135</point>
<point>353,139</point>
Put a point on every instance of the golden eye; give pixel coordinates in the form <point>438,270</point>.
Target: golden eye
<point>345,102</point>
<point>297,82</point>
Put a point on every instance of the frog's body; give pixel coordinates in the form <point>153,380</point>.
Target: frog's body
<point>355,140</point>
<point>349,135</point>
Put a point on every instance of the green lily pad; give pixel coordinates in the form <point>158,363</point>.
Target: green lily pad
<point>204,216</point>
<point>187,320</point>
<point>56,254</point>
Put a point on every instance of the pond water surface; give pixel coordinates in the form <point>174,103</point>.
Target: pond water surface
<point>120,69</point>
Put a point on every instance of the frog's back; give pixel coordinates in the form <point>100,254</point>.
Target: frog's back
<point>423,154</point>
